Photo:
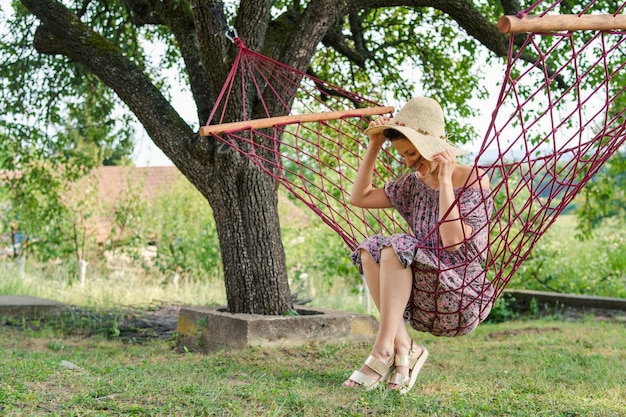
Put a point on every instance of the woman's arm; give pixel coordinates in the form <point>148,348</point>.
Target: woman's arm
<point>363,192</point>
<point>452,230</point>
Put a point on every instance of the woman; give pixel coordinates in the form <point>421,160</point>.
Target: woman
<point>434,278</point>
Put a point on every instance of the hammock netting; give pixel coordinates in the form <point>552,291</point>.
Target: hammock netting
<point>559,117</point>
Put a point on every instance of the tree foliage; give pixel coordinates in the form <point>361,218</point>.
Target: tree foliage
<point>59,122</point>
<point>604,197</point>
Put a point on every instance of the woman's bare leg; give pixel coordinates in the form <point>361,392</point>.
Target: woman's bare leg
<point>396,283</point>
<point>390,286</point>
<point>371,272</point>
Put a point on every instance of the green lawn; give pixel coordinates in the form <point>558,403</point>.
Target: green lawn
<point>522,368</point>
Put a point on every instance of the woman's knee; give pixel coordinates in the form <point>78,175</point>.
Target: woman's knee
<point>367,260</point>
<point>388,255</point>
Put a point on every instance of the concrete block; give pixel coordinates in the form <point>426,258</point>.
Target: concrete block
<point>208,329</point>
<point>523,299</point>
<point>26,306</point>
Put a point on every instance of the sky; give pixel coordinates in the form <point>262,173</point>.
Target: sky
<point>147,153</point>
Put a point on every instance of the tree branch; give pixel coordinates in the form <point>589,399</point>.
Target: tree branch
<point>61,32</point>
<point>180,22</point>
<point>252,20</point>
<point>315,22</point>
<point>335,39</point>
<point>469,19</point>
<point>356,27</point>
<point>212,43</point>
<point>476,25</point>
<point>510,7</point>
<point>461,11</point>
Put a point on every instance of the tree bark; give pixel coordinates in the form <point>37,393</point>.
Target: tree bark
<point>250,241</point>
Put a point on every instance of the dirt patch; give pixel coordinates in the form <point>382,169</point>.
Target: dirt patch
<point>598,314</point>
<point>160,323</point>
<point>506,334</point>
<point>128,325</point>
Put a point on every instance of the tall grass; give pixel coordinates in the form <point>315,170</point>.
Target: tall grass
<point>562,262</point>
<point>104,289</point>
<point>317,262</point>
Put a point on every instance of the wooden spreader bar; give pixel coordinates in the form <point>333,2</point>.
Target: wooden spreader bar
<point>285,120</point>
<point>560,23</point>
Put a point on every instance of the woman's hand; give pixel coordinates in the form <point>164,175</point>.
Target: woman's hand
<point>447,163</point>
<point>378,138</point>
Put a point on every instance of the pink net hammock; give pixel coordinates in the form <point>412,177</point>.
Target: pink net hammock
<point>558,118</point>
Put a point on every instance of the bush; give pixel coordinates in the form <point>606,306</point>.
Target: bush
<point>179,223</point>
<point>562,263</point>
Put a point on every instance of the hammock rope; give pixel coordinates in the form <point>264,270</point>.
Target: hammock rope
<point>559,117</point>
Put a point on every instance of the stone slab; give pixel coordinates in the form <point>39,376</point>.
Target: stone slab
<point>23,305</point>
<point>524,297</point>
<point>208,329</point>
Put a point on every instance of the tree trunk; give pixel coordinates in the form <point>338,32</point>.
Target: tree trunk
<point>245,206</point>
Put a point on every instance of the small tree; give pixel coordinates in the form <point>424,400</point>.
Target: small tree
<point>81,202</point>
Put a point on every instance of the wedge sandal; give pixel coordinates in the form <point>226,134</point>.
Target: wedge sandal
<point>414,363</point>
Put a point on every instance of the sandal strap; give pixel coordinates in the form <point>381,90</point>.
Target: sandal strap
<point>408,361</point>
<point>362,379</point>
<point>378,366</point>
<point>399,379</point>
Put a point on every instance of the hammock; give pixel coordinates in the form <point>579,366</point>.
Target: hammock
<point>558,118</point>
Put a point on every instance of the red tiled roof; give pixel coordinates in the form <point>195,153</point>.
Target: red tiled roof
<point>113,183</point>
<point>6,174</point>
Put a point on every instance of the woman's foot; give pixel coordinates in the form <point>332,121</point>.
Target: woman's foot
<point>374,370</point>
<point>408,365</point>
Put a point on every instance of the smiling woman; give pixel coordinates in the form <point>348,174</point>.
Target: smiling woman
<point>422,277</point>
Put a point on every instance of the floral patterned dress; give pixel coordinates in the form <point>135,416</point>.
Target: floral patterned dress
<point>451,294</point>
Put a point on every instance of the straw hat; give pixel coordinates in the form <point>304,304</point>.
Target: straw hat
<point>421,122</point>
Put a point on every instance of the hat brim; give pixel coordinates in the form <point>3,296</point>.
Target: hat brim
<point>426,145</point>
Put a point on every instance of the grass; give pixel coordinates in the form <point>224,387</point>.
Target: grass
<point>561,262</point>
<point>133,290</point>
<point>105,290</point>
<point>521,368</point>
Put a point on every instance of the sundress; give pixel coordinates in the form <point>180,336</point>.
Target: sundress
<point>451,294</point>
